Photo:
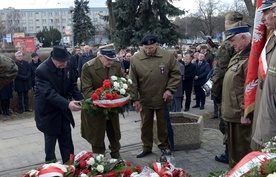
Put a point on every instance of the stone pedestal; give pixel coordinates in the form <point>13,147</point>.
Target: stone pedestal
<point>187,134</point>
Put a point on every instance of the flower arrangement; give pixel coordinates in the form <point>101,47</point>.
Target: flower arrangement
<point>113,96</point>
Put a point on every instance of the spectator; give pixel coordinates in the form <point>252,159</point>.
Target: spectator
<point>22,83</point>
<point>5,96</point>
<point>33,65</point>
<point>176,103</point>
<point>93,127</point>
<point>85,57</point>
<point>200,79</point>
<point>155,75</point>
<point>53,114</point>
<point>232,104</point>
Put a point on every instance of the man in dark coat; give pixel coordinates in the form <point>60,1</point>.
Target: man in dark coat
<point>5,96</point>
<point>33,65</point>
<point>203,69</point>
<point>53,116</point>
<point>22,83</point>
<point>85,57</point>
<point>188,80</point>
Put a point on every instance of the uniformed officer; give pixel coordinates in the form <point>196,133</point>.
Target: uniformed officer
<point>232,104</point>
<point>8,70</point>
<point>155,74</point>
<point>93,127</point>
<point>224,54</point>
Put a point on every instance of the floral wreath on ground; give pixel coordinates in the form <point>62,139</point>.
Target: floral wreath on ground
<point>256,164</point>
<point>112,97</point>
<point>88,164</point>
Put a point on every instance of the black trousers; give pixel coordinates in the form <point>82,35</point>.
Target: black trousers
<point>200,95</point>
<point>188,94</point>
<point>65,143</point>
<point>20,96</point>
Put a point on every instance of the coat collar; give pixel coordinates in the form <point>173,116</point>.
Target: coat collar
<point>101,71</point>
<point>271,44</point>
<point>245,52</point>
<point>157,54</point>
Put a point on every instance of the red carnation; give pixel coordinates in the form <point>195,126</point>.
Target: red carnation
<point>106,84</point>
<point>111,174</point>
<point>83,164</point>
<point>128,172</point>
<point>94,96</point>
<point>86,171</point>
<point>77,172</point>
<point>108,96</point>
<point>128,163</point>
<point>138,168</point>
<point>175,172</point>
<point>116,96</point>
<point>99,91</point>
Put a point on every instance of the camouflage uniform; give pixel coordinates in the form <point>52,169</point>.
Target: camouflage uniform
<point>8,70</point>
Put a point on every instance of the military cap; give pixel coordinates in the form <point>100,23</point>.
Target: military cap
<point>234,16</point>
<point>108,51</point>
<point>267,4</point>
<point>148,40</point>
<point>34,55</point>
<point>236,28</point>
<point>60,53</point>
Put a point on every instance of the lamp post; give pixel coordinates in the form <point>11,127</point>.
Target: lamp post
<point>71,10</point>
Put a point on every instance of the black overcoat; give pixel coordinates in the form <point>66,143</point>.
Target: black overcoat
<point>190,72</point>
<point>22,82</point>
<point>202,73</point>
<point>33,67</point>
<point>51,96</point>
<point>6,92</point>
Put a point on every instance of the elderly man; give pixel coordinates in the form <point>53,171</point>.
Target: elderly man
<point>265,110</point>
<point>225,53</point>
<point>53,116</point>
<point>8,70</point>
<point>93,127</point>
<point>85,57</point>
<point>232,108</point>
<point>155,74</point>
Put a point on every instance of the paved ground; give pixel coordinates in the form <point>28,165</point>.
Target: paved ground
<point>22,148</point>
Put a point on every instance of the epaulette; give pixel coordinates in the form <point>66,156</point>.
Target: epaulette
<point>90,62</point>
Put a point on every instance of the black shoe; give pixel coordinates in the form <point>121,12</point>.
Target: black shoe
<point>214,117</point>
<point>222,158</point>
<point>143,154</point>
<point>28,110</point>
<point>166,151</point>
<point>185,110</point>
<point>201,107</point>
<point>195,106</point>
<point>20,112</point>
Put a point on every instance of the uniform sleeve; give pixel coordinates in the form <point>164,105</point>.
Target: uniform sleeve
<point>86,81</point>
<point>135,78</point>
<point>8,70</point>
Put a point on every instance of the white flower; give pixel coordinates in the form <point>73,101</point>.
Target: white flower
<point>125,86</point>
<point>154,175</point>
<point>100,157</point>
<point>113,160</point>
<point>134,174</point>
<point>114,78</point>
<point>116,84</point>
<point>91,161</point>
<point>122,91</point>
<point>100,168</point>
<point>83,175</point>
<point>123,79</point>
<point>130,81</point>
<point>272,175</point>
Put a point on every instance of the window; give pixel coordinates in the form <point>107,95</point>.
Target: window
<point>51,20</point>
<point>37,20</point>
<point>31,28</point>
<point>30,14</point>
<point>43,20</point>
<point>50,13</point>
<point>37,27</point>
<point>30,21</point>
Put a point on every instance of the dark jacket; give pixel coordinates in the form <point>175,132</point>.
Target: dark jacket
<point>83,59</point>
<point>202,72</point>
<point>6,92</point>
<point>22,82</point>
<point>51,96</point>
<point>33,67</point>
<point>190,72</point>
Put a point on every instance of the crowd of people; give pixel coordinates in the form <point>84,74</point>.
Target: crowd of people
<point>163,81</point>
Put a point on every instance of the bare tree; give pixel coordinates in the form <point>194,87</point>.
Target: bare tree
<point>111,19</point>
<point>251,7</point>
<point>13,19</point>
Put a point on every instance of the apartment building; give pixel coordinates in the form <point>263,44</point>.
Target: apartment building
<point>30,21</point>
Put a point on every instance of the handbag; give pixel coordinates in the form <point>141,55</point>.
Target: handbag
<point>207,87</point>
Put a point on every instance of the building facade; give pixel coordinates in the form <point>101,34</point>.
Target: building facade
<point>31,21</point>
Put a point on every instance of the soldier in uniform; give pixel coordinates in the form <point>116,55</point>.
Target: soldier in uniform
<point>155,74</point>
<point>93,127</point>
<point>232,104</point>
<point>224,54</point>
<point>264,112</point>
<point>8,70</point>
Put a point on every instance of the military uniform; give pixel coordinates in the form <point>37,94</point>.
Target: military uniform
<point>152,76</point>
<point>93,127</point>
<point>8,70</point>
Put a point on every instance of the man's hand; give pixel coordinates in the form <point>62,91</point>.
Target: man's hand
<point>196,77</point>
<point>75,106</point>
<point>136,106</point>
<point>167,95</point>
<point>245,121</point>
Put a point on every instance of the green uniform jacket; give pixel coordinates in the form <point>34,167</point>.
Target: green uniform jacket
<point>93,75</point>
<point>225,53</point>
<point>232,105</point>
<point>153,75</point>
<point>8,70</point>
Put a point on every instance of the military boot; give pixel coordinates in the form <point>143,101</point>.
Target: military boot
<point>223,158</point>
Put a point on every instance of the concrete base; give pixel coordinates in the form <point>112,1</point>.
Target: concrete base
<point>187,135</point>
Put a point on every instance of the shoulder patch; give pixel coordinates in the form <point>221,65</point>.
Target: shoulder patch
<point>90,62</point>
